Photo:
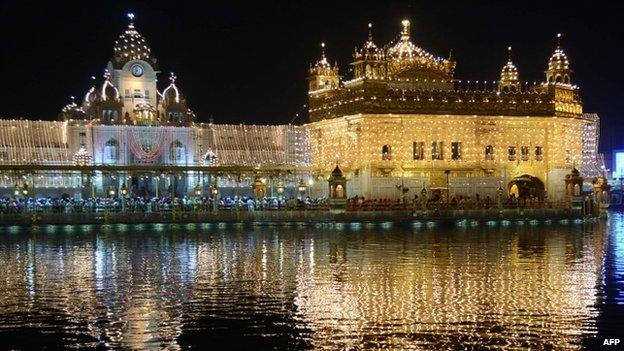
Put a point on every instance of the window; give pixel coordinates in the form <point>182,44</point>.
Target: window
<point>177,151</point>
<point>419,150</point>
<point>511,151</point>
<point>456,150</point>
<point>111,151</point>
<point>386,152</point>
<point>539,153</point>
<point>436,150</point>
<point>489,153</point>
<point>524,153</point>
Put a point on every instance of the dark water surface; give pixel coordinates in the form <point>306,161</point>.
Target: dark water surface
<point>347,287</point>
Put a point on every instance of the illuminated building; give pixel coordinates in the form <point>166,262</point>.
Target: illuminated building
<point>144,137</point>
<point>404,120</point>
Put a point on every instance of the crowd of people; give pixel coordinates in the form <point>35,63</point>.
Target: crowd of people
<point>247,203</point>
<point>154,204</point>
<point>439,202</point>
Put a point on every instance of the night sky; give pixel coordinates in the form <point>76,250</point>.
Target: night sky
<point>247,63</point>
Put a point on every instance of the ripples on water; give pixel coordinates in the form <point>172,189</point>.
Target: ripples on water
<point>544,287</point>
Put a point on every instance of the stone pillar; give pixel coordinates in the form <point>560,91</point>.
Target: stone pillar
<point>337,191</point>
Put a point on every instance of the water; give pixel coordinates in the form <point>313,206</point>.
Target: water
<point>503,286</point>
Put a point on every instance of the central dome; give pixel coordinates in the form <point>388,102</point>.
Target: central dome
<point>405,56</point>
<point>131,45</point>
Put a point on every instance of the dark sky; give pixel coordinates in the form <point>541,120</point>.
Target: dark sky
<point>247,62</point>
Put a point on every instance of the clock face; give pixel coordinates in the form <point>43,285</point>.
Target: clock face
<point>137,70</point>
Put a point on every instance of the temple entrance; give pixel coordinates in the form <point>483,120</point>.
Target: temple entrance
<point>526,186</point>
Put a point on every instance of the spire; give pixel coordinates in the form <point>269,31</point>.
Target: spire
<point>370,32</point>
<point>172,85</point>
<point>509,80</point>
<point>405,33</point>
<point>130,16</point>
<point>323,51</point>
<point>558,66</point>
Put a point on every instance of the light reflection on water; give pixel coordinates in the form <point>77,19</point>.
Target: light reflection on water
<point>353,287</point>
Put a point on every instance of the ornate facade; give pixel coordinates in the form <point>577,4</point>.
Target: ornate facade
<point>405,121</point>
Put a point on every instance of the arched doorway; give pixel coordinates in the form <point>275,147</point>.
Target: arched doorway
<point>525,186</point>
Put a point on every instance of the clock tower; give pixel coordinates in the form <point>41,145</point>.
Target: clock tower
<point>134,72</point>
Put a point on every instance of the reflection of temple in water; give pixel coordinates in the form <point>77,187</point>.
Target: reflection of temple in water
<point>532,286</point>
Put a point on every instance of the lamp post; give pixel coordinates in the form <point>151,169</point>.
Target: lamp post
<point>310,184</point>
<point>280,189</point>
<point>302,187</point>
<point>215,193</point>
<point>448,185</point>
<point>111,191</point>
<point>16,192</point>
<point>124,193</point>
<point>198,192</point>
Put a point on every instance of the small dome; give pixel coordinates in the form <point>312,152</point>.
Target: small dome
<point>82,157</point>
<point>337,172</point>
<point>509,73</point>
<point>322,62</point>
<point>131,45</point>
<point>558,61</point>
<point>108,90</point>
<point>171,94</point>
<point>72,111</point>
<point>369,50</point>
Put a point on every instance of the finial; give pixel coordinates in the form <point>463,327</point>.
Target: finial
<point>172,77</point>
<point>405,33</point>
<point>323,50</point>
<point>558,40</point>
<point>130,16</point>
<point>92,77</point>
<point>370,32</point>
<point>72,98</point>
<point>450,55</point>
<point>509,53</point>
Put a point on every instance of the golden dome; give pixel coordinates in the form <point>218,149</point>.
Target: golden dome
<point>404,55</point>
<point>131,45</point>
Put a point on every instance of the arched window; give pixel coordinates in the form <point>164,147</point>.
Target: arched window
<point>339,192</point>
<point>177,152</point>
<point>489,153</point>
<point>539,153</point>
<point>511,153</point>
<point>436,150</point>
<point>386,152</point>
<point>111,151</point>
<point>524,153</point>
